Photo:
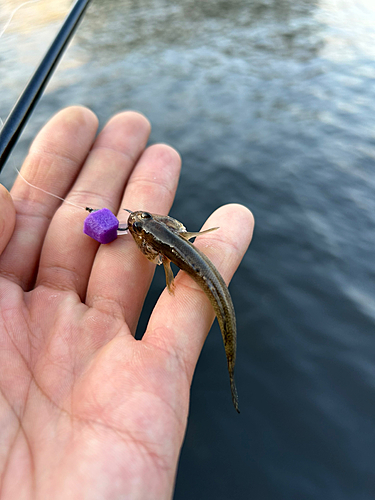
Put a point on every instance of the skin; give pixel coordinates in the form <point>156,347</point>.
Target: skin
<point>87,411</point>
<point>164,240</point>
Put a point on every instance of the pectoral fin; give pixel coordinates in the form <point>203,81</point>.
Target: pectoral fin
<point>156,259</point>
<point>188,236</point>
<point>169,278</point>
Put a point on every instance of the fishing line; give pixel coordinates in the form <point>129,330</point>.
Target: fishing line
<point>39,188</point>
<point>47,192</point>
<point>6,26</point>
<point>2,31</point>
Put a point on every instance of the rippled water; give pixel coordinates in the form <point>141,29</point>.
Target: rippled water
<point>271,104</point>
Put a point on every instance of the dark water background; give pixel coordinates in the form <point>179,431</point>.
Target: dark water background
<point>271,103</point>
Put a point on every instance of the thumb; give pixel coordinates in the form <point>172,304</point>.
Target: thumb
<point>7,217</point>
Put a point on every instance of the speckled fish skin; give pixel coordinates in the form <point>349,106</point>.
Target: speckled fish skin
<point>163,240</point>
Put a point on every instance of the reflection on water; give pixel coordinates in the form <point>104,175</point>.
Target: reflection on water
<point>271,104</point>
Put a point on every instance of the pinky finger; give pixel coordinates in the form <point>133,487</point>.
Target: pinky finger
<point>7,217</point>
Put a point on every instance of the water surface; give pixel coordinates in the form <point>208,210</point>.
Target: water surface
<point>271,104</point>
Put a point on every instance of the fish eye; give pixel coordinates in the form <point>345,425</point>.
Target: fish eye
<point>145,215</point>
<point>137,226</point>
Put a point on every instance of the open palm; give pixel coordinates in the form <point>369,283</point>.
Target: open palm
<point>87,411</point>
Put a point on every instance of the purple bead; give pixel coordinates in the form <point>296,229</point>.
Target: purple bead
<point>101,225</point>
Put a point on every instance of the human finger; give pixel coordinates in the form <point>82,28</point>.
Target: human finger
<point>7,217</point>
<point>53,162</point>
<point>121,275</point>
<point>68,254</point>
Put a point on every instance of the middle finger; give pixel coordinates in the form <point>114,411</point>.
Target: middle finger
<point>121,275</point>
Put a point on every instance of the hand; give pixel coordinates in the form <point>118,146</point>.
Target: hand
<point>87,411</point>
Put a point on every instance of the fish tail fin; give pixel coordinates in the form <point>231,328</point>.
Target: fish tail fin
<point>233,389</point>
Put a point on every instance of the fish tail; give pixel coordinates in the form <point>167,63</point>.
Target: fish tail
<point>233,389</point>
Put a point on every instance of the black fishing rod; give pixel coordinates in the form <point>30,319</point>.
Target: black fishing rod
<point>33,91</point>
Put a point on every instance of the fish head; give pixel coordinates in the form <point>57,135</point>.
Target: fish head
<point>137,225</point>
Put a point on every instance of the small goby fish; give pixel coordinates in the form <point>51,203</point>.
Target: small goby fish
<point>163,240</point>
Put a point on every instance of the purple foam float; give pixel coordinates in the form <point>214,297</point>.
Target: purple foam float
<point>101,225</point>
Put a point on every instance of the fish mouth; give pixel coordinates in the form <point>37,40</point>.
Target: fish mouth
<point>122,229</point>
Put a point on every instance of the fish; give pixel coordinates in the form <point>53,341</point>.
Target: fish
<point>163,240</point>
